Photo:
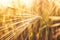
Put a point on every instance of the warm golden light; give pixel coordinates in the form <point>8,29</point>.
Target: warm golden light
<point>6,3</point>
<point>27,3</point>
<point>9,3</point>
<point>57,2</point>
<point>29,19</point>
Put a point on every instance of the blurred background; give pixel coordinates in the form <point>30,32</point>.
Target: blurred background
<point>29,19</point>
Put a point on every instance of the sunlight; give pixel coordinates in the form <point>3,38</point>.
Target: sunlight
<point>27,3</point>
<point>57,2</point>
<point>6,3</point>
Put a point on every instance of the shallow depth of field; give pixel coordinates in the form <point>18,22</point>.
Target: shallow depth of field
<point>29,19</point>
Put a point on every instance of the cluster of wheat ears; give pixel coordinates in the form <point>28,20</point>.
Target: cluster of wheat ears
<point>25,21</point>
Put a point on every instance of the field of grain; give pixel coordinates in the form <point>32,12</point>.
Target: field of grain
<point>29,20</point>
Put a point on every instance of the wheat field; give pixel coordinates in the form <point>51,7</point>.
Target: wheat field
<point>29,20</point>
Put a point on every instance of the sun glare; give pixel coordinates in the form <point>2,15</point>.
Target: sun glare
<point>57,2</point>
<point>8,3</point>
<point>5,3</point>
<point>27,3</point>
